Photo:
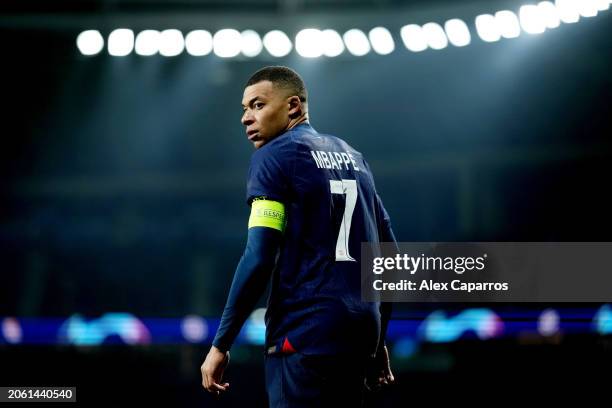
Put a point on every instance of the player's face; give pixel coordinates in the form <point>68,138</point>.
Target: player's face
<point>265,112</point>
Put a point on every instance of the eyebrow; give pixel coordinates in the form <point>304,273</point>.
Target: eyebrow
<point>252,100</point>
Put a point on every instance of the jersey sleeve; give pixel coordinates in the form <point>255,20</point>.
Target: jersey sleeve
<point>269,173</point>
<point>267,179</point>
<point>250,280</point>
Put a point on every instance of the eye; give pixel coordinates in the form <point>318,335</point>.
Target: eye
<point>258,105</point>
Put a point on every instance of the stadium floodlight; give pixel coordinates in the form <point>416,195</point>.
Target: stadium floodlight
<point>277,43</point>
<point>90,42</point>
<point>603,5</point>
<point>549,14</point>
<point>381,40</point>
<point>10,328</point>
<point>508,24</point>
<point>251,43</point>
<point>486,27</point>
<point>457,32</point>
<point>568,11</point>
<point>194,328</point>
<point>548,322</point>
<point>435,36</point>
<point>356,42</point>
<point>147,43</point>
<point>199,43</point>
<point>413,38</point>
<point>227,43</point>
<point>309,43</point>
<point>332,43</point>
<point>588,8</point>
<point>171,43</point>
<point>531,19</point>
<point>120,42</point>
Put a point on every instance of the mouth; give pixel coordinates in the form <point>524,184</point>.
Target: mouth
<point>252,134</point>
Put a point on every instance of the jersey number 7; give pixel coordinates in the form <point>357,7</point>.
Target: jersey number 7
<point>348,188</point>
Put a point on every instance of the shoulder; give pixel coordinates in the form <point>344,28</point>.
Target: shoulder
<point>308,136</point>
<point>345,146</point>
<point>275,159</point>
<point>282,144</point>
<point>333,143</point>
<point>286,148</point>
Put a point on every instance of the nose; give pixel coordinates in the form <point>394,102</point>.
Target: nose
<point>247,118</point>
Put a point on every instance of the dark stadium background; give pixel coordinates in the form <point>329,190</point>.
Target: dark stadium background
<point>122,184</point>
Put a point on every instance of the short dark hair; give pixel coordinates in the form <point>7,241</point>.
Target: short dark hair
<point>283,77</point>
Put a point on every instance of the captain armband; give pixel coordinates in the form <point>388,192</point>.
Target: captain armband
<point>267,213</point>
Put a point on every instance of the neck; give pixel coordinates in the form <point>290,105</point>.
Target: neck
<point>294,122</point>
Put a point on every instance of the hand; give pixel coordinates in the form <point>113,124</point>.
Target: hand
<point>212,371</point>
<point>379,373</point>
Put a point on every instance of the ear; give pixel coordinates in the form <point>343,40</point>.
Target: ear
<point>295,106</point>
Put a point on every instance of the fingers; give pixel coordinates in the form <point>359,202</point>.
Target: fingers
<point>220,387</point>
<point>213,387</point>
<point>212,371</point>
<point>388,375</point>
<point>377,382</point>
<point>210,384</point>
<point>204,378</point>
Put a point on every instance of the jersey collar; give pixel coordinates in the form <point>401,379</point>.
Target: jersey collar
<point>305,126</point>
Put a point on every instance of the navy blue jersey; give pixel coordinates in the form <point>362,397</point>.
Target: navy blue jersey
<point>331,207</point>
